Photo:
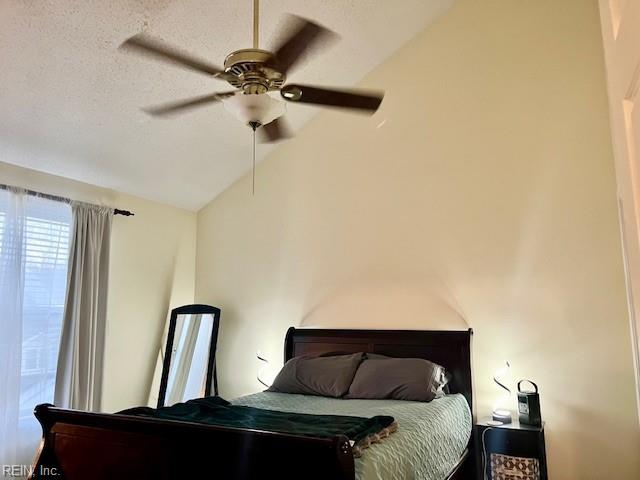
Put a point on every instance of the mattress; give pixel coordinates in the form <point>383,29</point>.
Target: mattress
<point>430,439</point>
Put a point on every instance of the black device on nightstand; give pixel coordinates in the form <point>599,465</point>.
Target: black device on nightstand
<point>511,450</point>
<point>529,405</point>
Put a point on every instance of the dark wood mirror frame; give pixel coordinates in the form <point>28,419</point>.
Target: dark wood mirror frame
<point>212,376</point>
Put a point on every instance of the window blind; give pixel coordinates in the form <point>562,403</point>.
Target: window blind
<point>39,239</point>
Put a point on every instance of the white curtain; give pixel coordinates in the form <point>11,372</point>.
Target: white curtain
<point>34,244</point>
<point>11,299</point>
<point>80,363</point>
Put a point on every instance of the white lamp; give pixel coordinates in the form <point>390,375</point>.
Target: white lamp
<point>254,108</point>
<point>501,413</point>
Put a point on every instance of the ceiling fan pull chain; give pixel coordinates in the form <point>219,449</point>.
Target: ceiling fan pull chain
<point>256,19</point>
<point>253,172</point>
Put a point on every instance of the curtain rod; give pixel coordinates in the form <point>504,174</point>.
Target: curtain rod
<point>56,198</point>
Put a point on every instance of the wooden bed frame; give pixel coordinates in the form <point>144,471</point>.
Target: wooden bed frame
<point>79,445</point>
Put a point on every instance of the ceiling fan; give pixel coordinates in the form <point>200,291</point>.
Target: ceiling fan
<point>253,73</point>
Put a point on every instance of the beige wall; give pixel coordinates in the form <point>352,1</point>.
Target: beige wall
<point>487,197</point>
<point>152,269</point>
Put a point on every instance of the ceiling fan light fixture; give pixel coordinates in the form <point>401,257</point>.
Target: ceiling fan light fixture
<point>255,73</point>
<point>248,108</point>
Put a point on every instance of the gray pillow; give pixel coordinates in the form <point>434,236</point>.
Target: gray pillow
<point>324,376</point>
<point>380,377</point>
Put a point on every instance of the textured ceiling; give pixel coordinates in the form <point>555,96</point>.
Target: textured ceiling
<point>69,99</point>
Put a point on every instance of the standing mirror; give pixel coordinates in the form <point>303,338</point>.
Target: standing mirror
<point>189,365</point>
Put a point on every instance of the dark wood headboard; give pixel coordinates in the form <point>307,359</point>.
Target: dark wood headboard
<point>451,349</point>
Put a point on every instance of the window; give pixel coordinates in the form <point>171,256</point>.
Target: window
<point>34,252</point>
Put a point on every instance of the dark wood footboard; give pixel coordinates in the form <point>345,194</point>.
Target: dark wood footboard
<point>90,446</point>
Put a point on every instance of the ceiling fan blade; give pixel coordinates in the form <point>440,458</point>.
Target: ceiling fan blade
<point>154,48</point>
<point>183,105</point>
<point>275,131</point>
<point>368,101</point>
<point>301,35</point>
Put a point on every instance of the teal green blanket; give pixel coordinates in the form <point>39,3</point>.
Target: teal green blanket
<point>217,411</point>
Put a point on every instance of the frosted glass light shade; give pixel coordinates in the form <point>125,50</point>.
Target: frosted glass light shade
<point>254,108</point>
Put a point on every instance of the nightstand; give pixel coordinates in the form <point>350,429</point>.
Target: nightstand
<point>510,447</point>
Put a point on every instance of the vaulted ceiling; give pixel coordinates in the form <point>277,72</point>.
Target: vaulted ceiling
<point>69,100</point>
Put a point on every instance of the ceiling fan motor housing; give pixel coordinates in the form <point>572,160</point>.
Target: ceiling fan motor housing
<point>253,71</point>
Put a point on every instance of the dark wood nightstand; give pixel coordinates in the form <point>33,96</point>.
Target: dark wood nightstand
<point>514,446</point>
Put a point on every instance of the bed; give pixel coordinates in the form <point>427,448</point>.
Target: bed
<point>431,443</point>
